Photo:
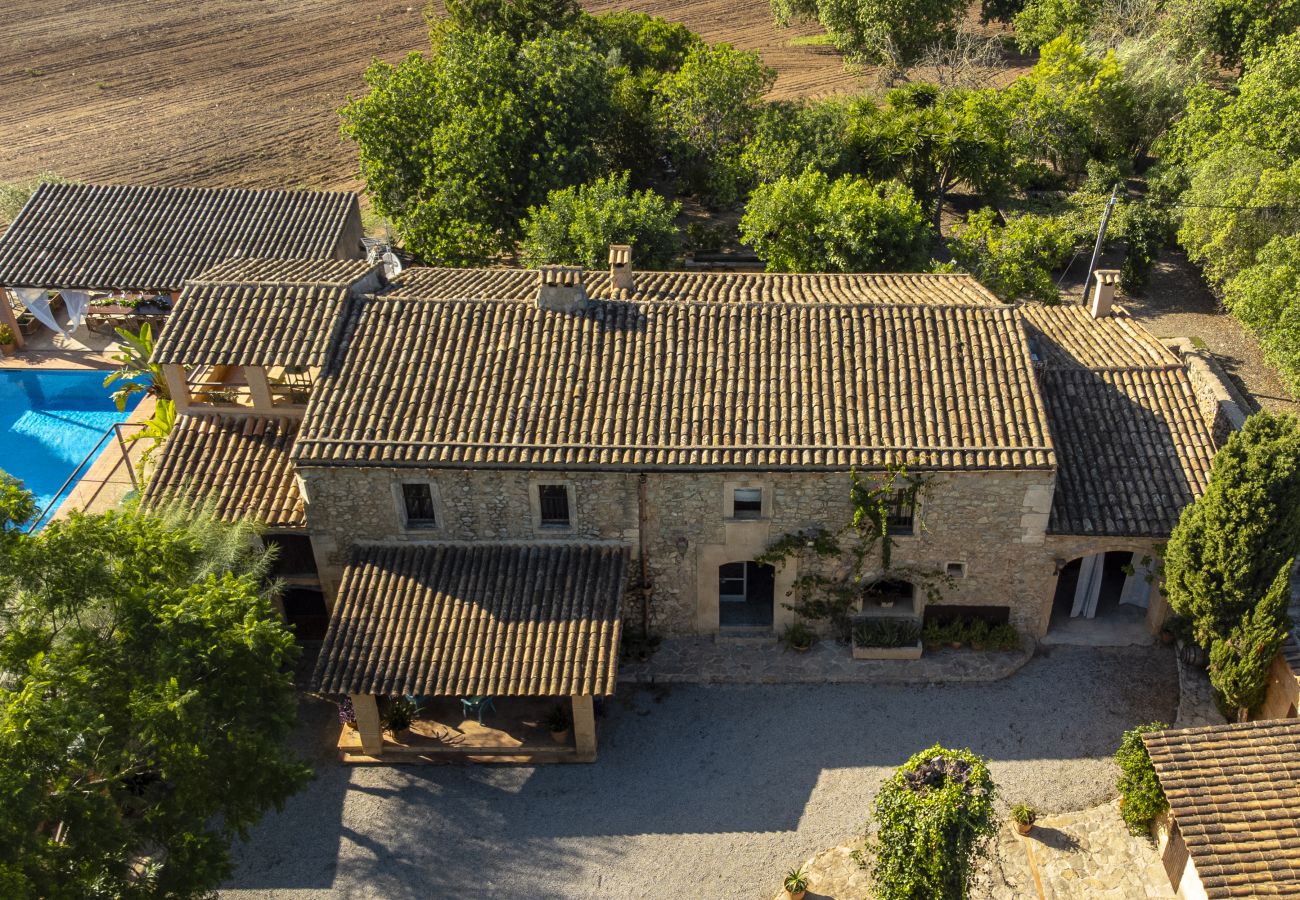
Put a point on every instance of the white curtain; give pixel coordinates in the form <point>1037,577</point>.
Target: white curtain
<point>1137,587</point>
<point>37,301</point>
<point>76,302</point>
<point>1088,589</point>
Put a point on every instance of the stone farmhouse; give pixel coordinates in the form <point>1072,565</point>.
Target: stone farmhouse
<point>454,461</point>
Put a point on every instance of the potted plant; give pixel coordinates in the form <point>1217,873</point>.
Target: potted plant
<point>1024,816</point>
<point>27,323</point>
<point>398,720</point>
<point>955,633</point>
<point>798,637</point>
<point>559,723</point>
<point>8,341</point>
<point>796,884</point>
<point>347,714</point>
<point>932,635</point>
<point>978,634</point>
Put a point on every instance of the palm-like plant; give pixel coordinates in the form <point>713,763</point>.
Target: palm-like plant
<point>137,372</point>
<point>155,429</point>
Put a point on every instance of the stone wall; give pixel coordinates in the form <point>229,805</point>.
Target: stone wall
<point>992,522</point>
<point>1219,402</point>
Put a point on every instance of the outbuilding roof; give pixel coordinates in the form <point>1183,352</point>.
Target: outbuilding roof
<point>1132,446</point>
<point>101,237</point>
<point>651,384</point>
<point>708,287</point>
<point>476,620</point>
<point>1235,797</point>
<point>262,313</point>
<point>237,463</point>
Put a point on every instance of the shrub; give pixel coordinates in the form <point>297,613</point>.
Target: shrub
<point>1024,814</point>
<point>798,636</point>
<point>1004,637</point>
<point>577,225</point>
<point>399,715</point>
<point>813,224</point>
<point>877,31</point>
<point>1144,799</point>
<point>1013,260</point>
<point>933,819</point>
<point>1240,662</point>
<point>886,632</point>
<point>1266,297</point>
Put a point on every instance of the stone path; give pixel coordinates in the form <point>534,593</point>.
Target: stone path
<point>767,661</point>
<point>1073,856</point>
<point>1195,698</point>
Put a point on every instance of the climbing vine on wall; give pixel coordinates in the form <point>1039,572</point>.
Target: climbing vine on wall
<point>851,551</point>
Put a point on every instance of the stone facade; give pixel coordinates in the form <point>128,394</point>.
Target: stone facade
<point>992,522</point>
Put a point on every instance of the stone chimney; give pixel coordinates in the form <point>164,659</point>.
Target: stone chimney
<point>621,275</point>
<point>560,289</point>
<point>1103,292</point>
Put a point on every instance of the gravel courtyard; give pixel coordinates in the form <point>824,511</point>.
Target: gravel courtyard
<point>699,791</point>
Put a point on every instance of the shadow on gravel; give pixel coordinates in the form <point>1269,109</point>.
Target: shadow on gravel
<point>691,761</point>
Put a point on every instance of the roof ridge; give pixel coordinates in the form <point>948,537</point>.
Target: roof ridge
<point>709,304</point>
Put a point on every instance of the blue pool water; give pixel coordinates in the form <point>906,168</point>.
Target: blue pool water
<point>49,421</point>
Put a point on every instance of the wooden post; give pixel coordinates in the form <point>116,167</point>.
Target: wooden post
<point>177,386</point>
<point>259,389</point>
<point>584,727</point>
<point>369,728</point>
<point>7,317</point>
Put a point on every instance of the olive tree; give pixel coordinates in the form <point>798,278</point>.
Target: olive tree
<point>893,32</point>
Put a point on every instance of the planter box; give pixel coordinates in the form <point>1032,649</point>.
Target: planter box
<point>887,652</point>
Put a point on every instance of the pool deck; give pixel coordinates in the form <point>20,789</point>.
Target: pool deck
<point>82,349</point>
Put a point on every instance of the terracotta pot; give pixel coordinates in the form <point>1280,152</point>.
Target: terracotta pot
<point>798,895</point>
<point>560,737</point>
<point>8,349</point>
<point>975,646</point>
<point>801,648</point>
<point>402,736</point>
<point>1024,828</point>
<point>1166,637</point>
<point>956,645</point>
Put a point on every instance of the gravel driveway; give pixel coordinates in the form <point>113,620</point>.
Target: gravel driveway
<point>699,791</point>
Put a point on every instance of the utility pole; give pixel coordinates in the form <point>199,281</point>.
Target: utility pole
<point>1101,236</point>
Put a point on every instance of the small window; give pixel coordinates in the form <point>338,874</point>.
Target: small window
<point>956,570</point>
<point>417,498</point>
<point>553,501</point>
<point>747,503</point>
<point>902,511</point>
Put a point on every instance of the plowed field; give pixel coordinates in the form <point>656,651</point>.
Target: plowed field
<point>244,92</point>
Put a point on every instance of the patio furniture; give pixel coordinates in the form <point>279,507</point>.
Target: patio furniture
<point>475,706</point>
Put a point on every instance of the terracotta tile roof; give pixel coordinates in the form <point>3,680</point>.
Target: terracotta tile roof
<point>711,287</point>
<point>1067,336</point>
<point>137,237</point>
<point>476,619</point>
<point>240,464</point>
<point>261,313</point>
<point>1234,792</point>
<point>672,384</point>
<point>1132,445</point>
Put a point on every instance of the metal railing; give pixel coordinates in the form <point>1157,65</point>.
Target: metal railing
<point>115,429</point>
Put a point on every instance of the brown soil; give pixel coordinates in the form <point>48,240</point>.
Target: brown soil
<point>245,92</point>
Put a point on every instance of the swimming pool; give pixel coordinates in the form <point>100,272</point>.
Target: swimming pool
<point>49,420</point>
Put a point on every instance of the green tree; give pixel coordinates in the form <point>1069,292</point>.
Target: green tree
<point>709,108</point>
<point>457,145</point>
<point>518,20</point>
<point>791,136</point>
<point>813,224</point>
<point>1144,798</point>
<point>1014,260</point>
<point>15,194</point>
<point>934,820</point>
<point>1240,30</point>
<point>1266,297</point>
<point>1229,545</point>
<point>1240,661</point>
<point>144,706</point>
<point>577,225</point>
<point>1239,199</point>
<point>893,32</point>
<point>1040,21</point>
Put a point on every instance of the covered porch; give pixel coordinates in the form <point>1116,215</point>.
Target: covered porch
<point>484,640</point>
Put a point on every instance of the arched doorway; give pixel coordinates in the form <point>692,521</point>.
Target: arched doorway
<point>745,594</point>
<point>1102,598</point>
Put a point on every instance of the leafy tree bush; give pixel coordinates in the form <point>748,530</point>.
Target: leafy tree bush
<point>1041,21</point>
<point>790,137</point>
<point>577,225</point>
<point>1225,552</point>
<point>518,20</point>
<point>934,819</point>
<point>709,108</point>
<point>1147,229</point>
<point>456,146</point>
<point>1071,107</point>
<point>1237,31</point>
<point>1240,661</point>
<point>892,32</point>
<point>15,194</point>
<point>1239,199</point>
<point>1014,260</point>
<point>813,224</point>
<point>1143,798</point>
<point>145,704</point>
<point>1266,297</point>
